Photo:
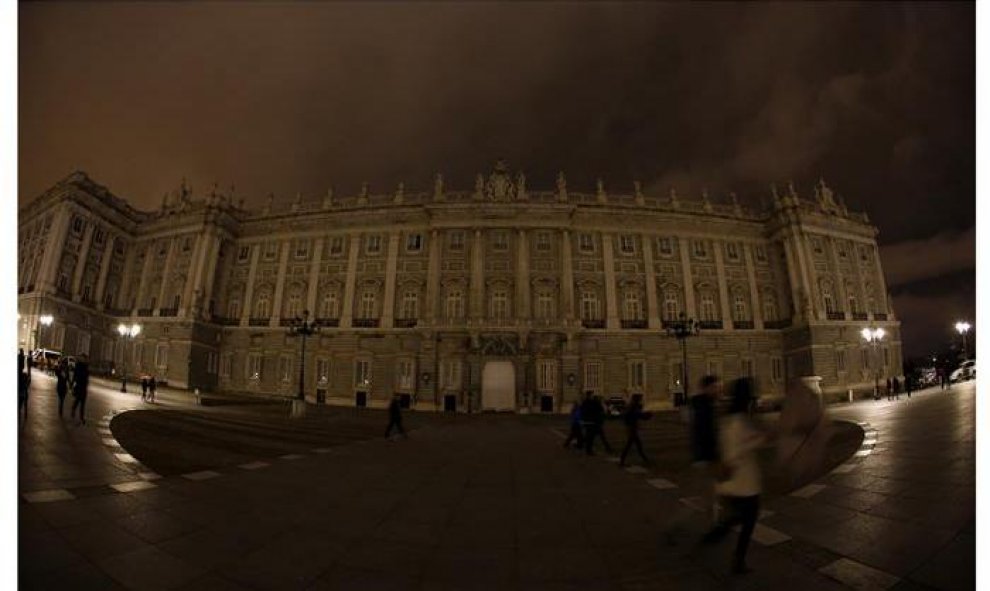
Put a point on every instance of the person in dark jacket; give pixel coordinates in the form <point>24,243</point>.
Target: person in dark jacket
<point>61,383</point>
<point>20,360</point>
<point>395,417</point>
<point>152,388</point>
<point>634,414</point>
<point>593,417</point>
<point>22,392</point>
<point>577,434</point>
<point>144,387</point>
<point>80,387</point>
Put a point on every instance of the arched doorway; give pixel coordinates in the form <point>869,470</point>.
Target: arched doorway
<point>498,386</point>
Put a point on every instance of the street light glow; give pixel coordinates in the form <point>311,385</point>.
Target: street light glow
<point>873,335</point>
<point>963,327</point>
<point>46,319</point>
<point>129,331</point>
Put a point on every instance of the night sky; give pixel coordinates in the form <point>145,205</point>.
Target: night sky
<point>878,98</point>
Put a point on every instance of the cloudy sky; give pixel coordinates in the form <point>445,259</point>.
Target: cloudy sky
<point>879,98</point>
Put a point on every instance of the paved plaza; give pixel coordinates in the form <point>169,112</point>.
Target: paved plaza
<point>236,495</point>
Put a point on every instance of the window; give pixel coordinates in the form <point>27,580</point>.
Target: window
<point>586,244</point>
<point>414,243</point>
<point>590,310</point>
<point>162,249</point>
<point>637,376</point>
<point>708,309</point>
<point>700,249</point>
<point>454,306</point>
<point>739,311</point>
<point>627,244</point>
<point>137,354</point>
<point>841,250</point>
<point>98,236</point>
<point>713,367</point>
<point>632,307</point>
<point>82,343</point>
<point>254,366</point>
<point>746,368</point>
<point>769,307</point>
<point>676,376</point>
<point>336,246</point>
<point>886,357</point>
<point>373,244</point>
<point>455,240</point>
<point>451,374</point>
<point>840,360</point>
<point>186,244</point>
<point>546,375</point>
<point>500,304</point>
<point>864,254</point>
<point>322,370</point>
<point>593,376</point>
<point>368,305</point>
<point>271,250</point>
<point>827,297</point>
<point>500,241</point>
<point>410,305</point>
<point>161,356</point>
<point>329,305</point>
<point>671,305</point>
<point>864,360</point>
<point>776,369</point>
<point>816,245</point>
<point>243,254</point>
<point>262,307</point>
<point>176,301</point>
<point>211,362</point>
<point>86,292</point>
<point>234,308</point>
<point>285,369</point>
<point>302,249</point>
<point>225,363</point>
<point>545,306</point>
<point>761,254</point>
<point>362,374</point>
<point>852,305</point>
<point>732,251</point>
<point>77,225</point>
<point>664,246</point>
<point>405,376</point>
<point>293,305</point>
<point>543,241</point>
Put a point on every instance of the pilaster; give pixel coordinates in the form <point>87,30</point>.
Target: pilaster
<point>283,263</point>
<point>347,313</point>
<point>314,277</point>
<point>652,310</point>
<point>101,282</point>
<point>77,275</point>
<point>391,265</point>
<point>756,311</point>
<point>723,291</point>
<point>249,288</point>
<point>611,307</point>
<point>689,305</point>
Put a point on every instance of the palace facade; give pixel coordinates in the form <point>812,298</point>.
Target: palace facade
<point>497,298</point>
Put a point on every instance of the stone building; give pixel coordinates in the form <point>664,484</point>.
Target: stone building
<point>497,298</point>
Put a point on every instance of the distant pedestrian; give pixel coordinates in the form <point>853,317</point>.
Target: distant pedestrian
<point>20,360</point>
<point>897,388</point>
<point>739,485</point>
<point>22,392</point>
<point>577,434</point>
<point>152,388</point>
<point>80,387</point>
<point>634,414</point>
<point>61,383</point>
<point>144,388</point>
<point>888,389</point>
<point>395,417</point>
<point>908,385</point>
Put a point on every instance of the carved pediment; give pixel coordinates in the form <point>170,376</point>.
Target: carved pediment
<point>498,345</point>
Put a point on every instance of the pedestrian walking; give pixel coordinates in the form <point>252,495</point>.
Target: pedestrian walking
<point>739,483</point>
<point>22,392</point>
<point>144,388</point>
<point>897,388</point>
<point>152,388</point>
<point>20,360</point>
<point>61,383</point>
<point>577,434</point>
<point>634,414</point>
<point>395,417</point>
<point>908,385</point>
<point>593,417</point>
<point>804,431</point>
<point>80,387</point>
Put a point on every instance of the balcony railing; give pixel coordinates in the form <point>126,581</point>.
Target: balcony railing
<point>743,324</point>
<point>282,321</point>
<point>168,312</point>
<point>777,324</point>
<point>836,315</point>
<point>634,324</point>
<point>879,316</point>
<point>406,322</point>
<point>223,321</point>
<point>365,323</point>
<point>145,311</point>
<point>259,321</point>
<point>331,322</point>
<point>860,316</point>
<point>118,312</point>
<point>589,323</point>
<point>710,324</point>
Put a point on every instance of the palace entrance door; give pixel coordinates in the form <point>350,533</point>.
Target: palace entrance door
<point>498,386</point>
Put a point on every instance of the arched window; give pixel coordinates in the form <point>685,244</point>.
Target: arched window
<point>708,309</point>
<point>410,305</point>
<point>263,305</point>
<point>590,309</point>
<point>545,308</point>
<point>368,305</point>
<point>499,304</point>
<point>671,305</point>
<point>739,308</point>
<point>632,307</point>
<point>827,298</point>
<point>454,306</point>
<point>293,305</point>
<point>234,308</point>
<point>330,305</point>
<point>769,307</point>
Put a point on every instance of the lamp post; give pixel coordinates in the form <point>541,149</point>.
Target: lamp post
<point>873,337</point>
<point>126,331</point>
<point>963,328</point>
<point>45,320</point>
<point>681,329</point>
<point>303,327</point>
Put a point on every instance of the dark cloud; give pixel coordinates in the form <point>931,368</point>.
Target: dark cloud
<point>911,261</point>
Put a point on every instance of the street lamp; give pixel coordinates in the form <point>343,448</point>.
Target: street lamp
<point>681,329</point>
<point>874,336</point>
<point>43,320</point>
<point>303,327</point>
<point>126,331</point>
<point>963,328</point>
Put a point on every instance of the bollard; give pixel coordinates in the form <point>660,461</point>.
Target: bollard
<point>199,401</point>
<point>850,395</point>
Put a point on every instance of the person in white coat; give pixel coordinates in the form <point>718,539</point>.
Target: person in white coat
<point>739,482</point>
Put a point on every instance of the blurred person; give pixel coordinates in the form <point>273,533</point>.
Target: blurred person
<point>577,433</point>
<point>803,434</point>
<point>633,415</point>
<point>80,387</point>
<point>395,417</point>
<point>61,383</point>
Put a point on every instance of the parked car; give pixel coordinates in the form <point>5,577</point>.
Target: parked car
<point>615,405</point>
<point>966,371</point>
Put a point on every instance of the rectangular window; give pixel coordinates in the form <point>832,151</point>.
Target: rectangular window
<point>700,249</point>
<point>302,249</point>
<point>840,360</point>
<point>322,370</point>
<point>746,368</point>
<point>186,244</point>
<point>713,367</point>
<point>98,236</point>
<point>500,241</point>
<point>886,357</point>
<point>211,362</point>
<point>776,369</point>
<point>455,240</point>
<point>161,356</point>
<point>243,254</point>
<point>254,366</point>
<point>362,374</point>
<point>637,376</point>
<point>82,344</point>
<point>271,250</point>
<point>285,369</point>
<point>543,241</point>
<point>816,245</point>
<point>225,362</point>
<point>336,246</point>
<point>761,254</point>
<point>404,375</point>
<point>414,243</point>
<point>373,244</point>
<point>627,244</point>
<point>546,375</point>
<point>664,246</point>
<point>451,375</point>
<point>593,376</point>
<point>137,355</point>
<point>732,251</point>
<point>586,243</point>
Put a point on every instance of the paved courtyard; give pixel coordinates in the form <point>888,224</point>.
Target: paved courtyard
<point>239,496</point>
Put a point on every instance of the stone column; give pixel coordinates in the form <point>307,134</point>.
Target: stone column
<point>149,253</point>
<point>811,275</point>
<point>391,265</point>
<point>793,274</point>
<point>689,307</point>
<point>283,264</point>
<point>881,284</point>
<point>126,278</point>
<point>249,288</point>
<point>433,279</point>
<point>347,313</point>
<point>314,277</point>
<point>212,261</point>
<point>567,277</point>
<point>52,257</point>
<point>77,275</point>
<point>723,291</point>
<point>756,311</point>
<point>477,276</point>
<point>652,309</point>
<point>169,257</point>
<point>840,287</point>
<point>101,283</point>
<point>523,305</point>
<point>611,307</point>
<point>193,274</point>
